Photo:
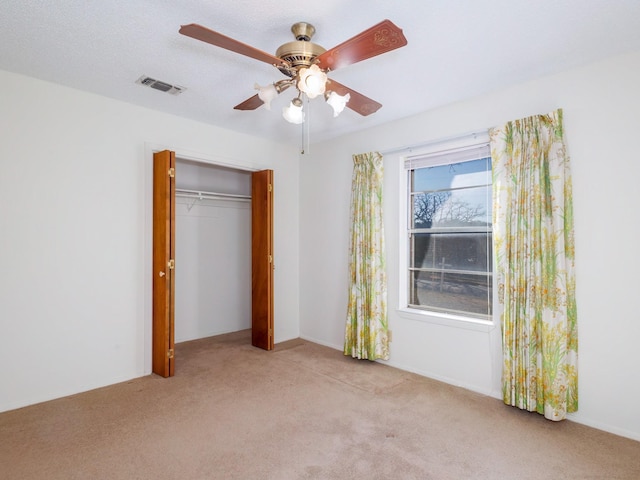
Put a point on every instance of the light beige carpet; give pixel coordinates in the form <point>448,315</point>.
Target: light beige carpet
<point>303,411</point>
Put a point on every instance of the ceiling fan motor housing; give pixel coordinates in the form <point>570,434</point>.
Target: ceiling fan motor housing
<point>301,52</point>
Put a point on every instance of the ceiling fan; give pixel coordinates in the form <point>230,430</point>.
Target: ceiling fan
<point>306,65</point>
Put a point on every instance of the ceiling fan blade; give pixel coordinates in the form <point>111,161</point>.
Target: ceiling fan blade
<point>381,38</point>
<point>204,34</point>
<point>250,103</point>
<point>357,102</point>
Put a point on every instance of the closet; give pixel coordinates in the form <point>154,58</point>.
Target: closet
<point>213,250</point>
<point>212,254</point>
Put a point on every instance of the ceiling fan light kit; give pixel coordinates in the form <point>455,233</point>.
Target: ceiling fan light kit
<point>337,102</point>
<point>266,94</point>
<point>307,64</point>
<point>312,81</point>
<point>293,113</point>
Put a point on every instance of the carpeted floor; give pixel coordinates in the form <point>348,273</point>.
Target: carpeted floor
<point>303,411</point>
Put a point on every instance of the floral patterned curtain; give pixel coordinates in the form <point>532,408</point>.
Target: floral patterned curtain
<point>534,246</point>
<point>366,330</point>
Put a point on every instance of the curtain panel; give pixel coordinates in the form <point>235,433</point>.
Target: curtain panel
<point>366,333</point>
<point>534,251</point>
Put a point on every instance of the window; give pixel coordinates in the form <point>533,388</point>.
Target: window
<point>450,232</point>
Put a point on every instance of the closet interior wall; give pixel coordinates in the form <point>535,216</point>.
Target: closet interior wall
<point>213,250</point>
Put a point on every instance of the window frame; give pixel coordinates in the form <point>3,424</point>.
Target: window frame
<point>434,149</point>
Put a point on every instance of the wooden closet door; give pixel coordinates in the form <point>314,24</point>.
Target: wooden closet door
<point>164,261</point>
<point>262,259</point>
<point>164,215</point>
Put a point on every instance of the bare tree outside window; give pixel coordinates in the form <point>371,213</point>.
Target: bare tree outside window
<point>426,206</point>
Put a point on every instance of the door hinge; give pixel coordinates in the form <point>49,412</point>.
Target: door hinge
<point>170,353</point>
<point>171,264</point>
<point>270,259</point>
<point>270,188</point>
<point>172,172</point>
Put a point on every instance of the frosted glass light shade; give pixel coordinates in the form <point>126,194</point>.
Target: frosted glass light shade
<point>293,113</point>
<point>312,81</point>
<point>266,94</point>
<point>338,102</point>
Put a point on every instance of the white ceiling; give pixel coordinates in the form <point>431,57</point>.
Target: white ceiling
<point>456,49</point>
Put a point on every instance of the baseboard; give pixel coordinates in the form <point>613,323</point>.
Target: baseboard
<point>577,418</point>
<point>320,342</point>
<point>443,379</point>
<point>422,373</point>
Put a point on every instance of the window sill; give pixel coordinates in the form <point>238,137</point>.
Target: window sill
<point>446,320</point>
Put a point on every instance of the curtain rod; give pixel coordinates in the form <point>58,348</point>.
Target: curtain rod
<point>470,135</point>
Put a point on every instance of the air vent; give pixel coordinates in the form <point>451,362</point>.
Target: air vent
<point>158,85</point>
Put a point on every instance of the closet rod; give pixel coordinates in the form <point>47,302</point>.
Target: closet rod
<point>202,195</point>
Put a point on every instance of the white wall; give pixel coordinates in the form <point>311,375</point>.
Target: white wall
<point>601,104</point>
<point>75,233</point>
